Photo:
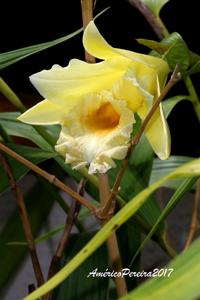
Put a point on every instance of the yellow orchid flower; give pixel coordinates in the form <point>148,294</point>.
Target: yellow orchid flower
<point>95,103</point>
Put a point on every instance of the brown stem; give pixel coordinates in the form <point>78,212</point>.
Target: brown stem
<point>150,17</point>
<point>194,221</point>
<point>72,215</point>
<point>25,221</point>
<point>176,76</point>
<point>112,243</point>
<point>49,177</point>
<point>87,16</point>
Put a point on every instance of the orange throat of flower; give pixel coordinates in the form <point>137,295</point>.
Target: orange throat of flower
<point>103,119</point>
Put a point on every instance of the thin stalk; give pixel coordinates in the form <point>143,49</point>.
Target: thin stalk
<point>11,96</point>
<point>25,221</point>
<point>87,16</point>
<point>49,177</point>
<point>153,21</point>
<point>163,27</point>
<point>70,221</point>
<point>112,243</point>
<point>193,96</point>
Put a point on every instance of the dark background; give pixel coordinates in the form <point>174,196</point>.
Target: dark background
<point>31,23</point>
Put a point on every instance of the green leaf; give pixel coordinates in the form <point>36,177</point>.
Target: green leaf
<point>32,153</point>
<point>182,284</point>
<point>38,213</point>
<point>173,49</point>
<point>154,45</point>
<point>155,5</point>
<point>129,239</point>
<point>190,169</point>
<point>15,128</point>
<point>11,57</point>
<point>194,64</point>
<point>169,104</point>
<point>4,136</point>
<point>95,288</point>
<point>35,155</point>
<point>185,187</point>
<point>164,167</point>
<point>177,52</point>
<point>44,237</point>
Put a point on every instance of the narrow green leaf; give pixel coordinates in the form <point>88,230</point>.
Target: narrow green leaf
<point>194,63</point>
<point>181,284</point>
<point>39,239</point>
<point>154,45</point>
<point>190,169</point>
<point>15,128</point>
<point>4,136</point>
<point>155,5</point>
<point>11,57</point>
<point>129,239</point>
<point>164,167</point>
<point>187,184</point>
<point>12,116</point>
<point>169,104</point>
<point>35,155</point>
<point>95,288</point>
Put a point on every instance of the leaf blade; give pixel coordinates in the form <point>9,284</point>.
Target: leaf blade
<point>187,184</point>
<point>186,267</point>
<point>89,285</point>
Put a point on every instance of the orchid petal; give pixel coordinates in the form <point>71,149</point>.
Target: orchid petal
<point>137,87</point>
<point>158,135</point>
<point>67,85</point>
<point>43,113</point>
<point>96,45</point>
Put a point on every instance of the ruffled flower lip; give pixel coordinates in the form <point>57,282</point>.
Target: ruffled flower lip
<point>96,132</point>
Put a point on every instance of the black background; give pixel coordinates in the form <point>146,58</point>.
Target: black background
<point>24,24</point>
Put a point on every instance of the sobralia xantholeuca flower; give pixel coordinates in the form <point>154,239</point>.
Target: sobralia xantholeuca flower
<point>95,103</point>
